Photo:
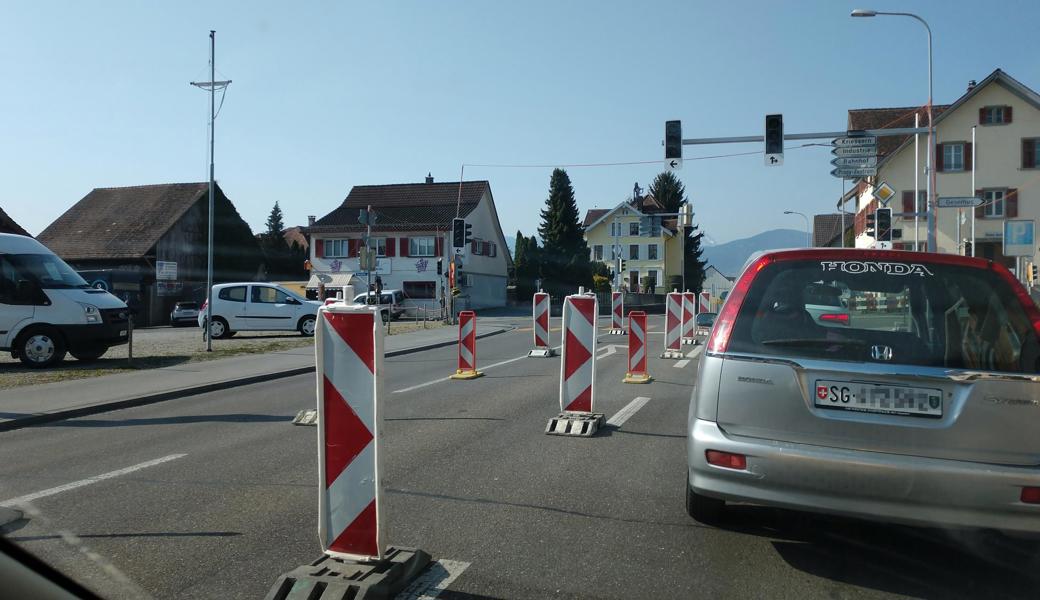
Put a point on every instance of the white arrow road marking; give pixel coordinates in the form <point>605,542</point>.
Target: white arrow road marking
<point>484,368</point>
<point>625,413</point>
<point>610,349</point>
<point>436,579</point>
<point>681,363</point>
<point>88,481</point>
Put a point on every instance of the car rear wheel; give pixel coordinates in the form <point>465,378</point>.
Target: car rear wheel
<point>703,508</point>
<point>89,354</point>
<point>40,347</point>
<point>306,325</point>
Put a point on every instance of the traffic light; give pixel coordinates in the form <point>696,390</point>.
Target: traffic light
<point>774,139</point>
<point>440,266</point>
<point>467,236</point>
<point>1033,273</point>
<point>672,140</point>
<point>871,228</point>
<point>883,223</point>
<point>458,233</point>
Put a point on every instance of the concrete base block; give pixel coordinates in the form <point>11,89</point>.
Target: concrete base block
<point>542,352</point>
<point>307,416</point>
<point>616,332</point>
<point>677,354</point>
<point>580,424</point>
<point>333,578</point>
<point>637,378</point>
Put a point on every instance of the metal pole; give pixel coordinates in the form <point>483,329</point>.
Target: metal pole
<point>212,135</point>
<point>933,211</point>
<point>974,161</point>
<point>682,248</point>
<point>917,185</point>
<point>841,203</point>
<point>368,241</point>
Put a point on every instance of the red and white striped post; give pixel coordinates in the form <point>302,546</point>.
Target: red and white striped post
<point>467,346</point>
<point>578,369</point>
<point>672,325</point>
<point>540,309</point>
<point>617,313</point>
<point>349,349</point>
<point>689,305</point>
<point>637,372</point>
<point>704,303</point>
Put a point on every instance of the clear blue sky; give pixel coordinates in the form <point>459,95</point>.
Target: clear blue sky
<point>328,95</point>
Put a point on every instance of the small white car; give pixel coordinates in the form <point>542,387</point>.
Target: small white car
<point>390,303</point>
<point>253,306</point>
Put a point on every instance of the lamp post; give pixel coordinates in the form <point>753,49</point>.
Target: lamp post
<point>808,242</point>
<point>931,183</point>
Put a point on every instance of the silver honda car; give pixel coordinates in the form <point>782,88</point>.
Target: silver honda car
<point>924,409</point>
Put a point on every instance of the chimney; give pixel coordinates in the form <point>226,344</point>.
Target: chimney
<point>310,220</point>
<point>429,178</point>
<point>971,85</point>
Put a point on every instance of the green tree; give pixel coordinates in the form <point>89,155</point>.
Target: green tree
<point>564,256</point>
<point>275,226</point>
<point>671,193</point>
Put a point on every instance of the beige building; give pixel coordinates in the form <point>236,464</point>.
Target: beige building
<point>1005,115</point>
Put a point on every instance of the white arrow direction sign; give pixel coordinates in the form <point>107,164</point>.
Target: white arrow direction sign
<point>855,151</point>
<point>673,164</point>
<point>850,172</point>
<point>865,140</point>
<point>855,161</point>
<point>959,202</point>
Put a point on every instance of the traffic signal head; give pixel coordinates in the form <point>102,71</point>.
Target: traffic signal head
<point>871,228</point>
<point>458,233</point>
<point>883,223</point>
<point>440,266</point>
<point>774,134</point>
<point>672,139</point>
<point>468,233</point>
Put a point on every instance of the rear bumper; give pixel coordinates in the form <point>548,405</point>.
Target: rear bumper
<point>872,485</point>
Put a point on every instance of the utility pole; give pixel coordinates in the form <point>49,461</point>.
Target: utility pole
<point>212,85</point>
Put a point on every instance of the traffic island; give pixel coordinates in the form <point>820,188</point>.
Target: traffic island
<point>334,578</point>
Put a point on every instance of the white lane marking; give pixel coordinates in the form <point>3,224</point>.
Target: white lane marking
<point>435,580</point>
<point>625,413</point>
<point>88,481</point>
<point>681,363</point>
<point>479,368</point>
<point>611,349</point>
<point>696,351</point>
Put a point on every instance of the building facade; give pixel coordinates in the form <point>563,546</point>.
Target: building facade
<point>1000,166</point>
<point>412,239</point>
<point>653,255</point>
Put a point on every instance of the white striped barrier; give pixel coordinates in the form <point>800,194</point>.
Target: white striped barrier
<point>704,302</point>
<point>689,305</point>
<point>467,346</point>
<point>637,372</point>
<point>672,325</point>
<point>617,314</point>
<point>349,366</point>
<point>578,369</point>
<point>540,309</point>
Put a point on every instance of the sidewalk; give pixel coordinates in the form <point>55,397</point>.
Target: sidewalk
<point>29,405</point>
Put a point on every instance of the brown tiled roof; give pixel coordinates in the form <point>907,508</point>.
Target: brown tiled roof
<point>404,206</point>
<point>593,214</point>
<point>826,228</point>
<point>124,222</point>
<point>7,225</point>
<point>888,118</point>
<point>295,234</point>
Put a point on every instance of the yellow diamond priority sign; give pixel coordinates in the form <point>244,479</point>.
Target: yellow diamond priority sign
<point>884,193</point>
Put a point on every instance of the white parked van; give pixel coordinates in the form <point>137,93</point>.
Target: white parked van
<point>47,309</point>
<point>253,306</point>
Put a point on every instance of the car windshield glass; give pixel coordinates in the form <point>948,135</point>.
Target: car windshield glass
<point>934,315</point>
<point>188,305</point>
<point>49,271</point>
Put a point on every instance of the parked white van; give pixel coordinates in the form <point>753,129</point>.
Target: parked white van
<point>253,306</point>
<point>47,309</point>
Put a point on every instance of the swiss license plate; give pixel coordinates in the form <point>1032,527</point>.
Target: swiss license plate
<point>122,333</point>
<point>883,398</point>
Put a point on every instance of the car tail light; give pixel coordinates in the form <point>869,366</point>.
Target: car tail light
<point>1031,495</point>
<point>728,460</point>
<point>842,318</point>
<point>204,305</point>
<point>724,322</point>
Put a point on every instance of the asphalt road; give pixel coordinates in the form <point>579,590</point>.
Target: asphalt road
<point>231,499</point>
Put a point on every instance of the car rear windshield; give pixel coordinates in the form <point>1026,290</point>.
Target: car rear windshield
<point>188,305</point>
<point>922,314</point>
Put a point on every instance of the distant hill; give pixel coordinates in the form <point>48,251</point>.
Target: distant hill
<point>731,256</point>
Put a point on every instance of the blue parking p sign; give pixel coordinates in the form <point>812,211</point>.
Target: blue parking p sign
<point>1019,237</point>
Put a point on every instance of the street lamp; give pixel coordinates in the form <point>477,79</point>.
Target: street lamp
<point>808,243</point>
<point>931,183</point>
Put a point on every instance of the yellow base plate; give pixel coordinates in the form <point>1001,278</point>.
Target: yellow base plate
<point>467,374</point>
<point>630,378</point>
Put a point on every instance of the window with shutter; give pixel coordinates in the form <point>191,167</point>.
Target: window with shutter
<point>908,201</point>
<point>391,246</point>
<point>1030,150</point>
<point>319,248</point>
<point>967,156</point>
<point>404,247</point>
<point>1012,203</point>
<point>980,211</point>
<point>1007,114</point>
<point>438,246</point>
<point>939,158</point>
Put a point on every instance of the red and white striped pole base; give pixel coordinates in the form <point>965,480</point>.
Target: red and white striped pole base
<point>672,325</point>
<point>540,311</point>
<point>467,346</point>
<point>578,369</point>
<point>617,314</point>
<point>689,305</point>
<point>637,372</point>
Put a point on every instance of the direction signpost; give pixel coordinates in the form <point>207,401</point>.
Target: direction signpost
<point>959,202</point>
<point>854,172</point>
<point>855,156</point>
<point>855,161</point>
